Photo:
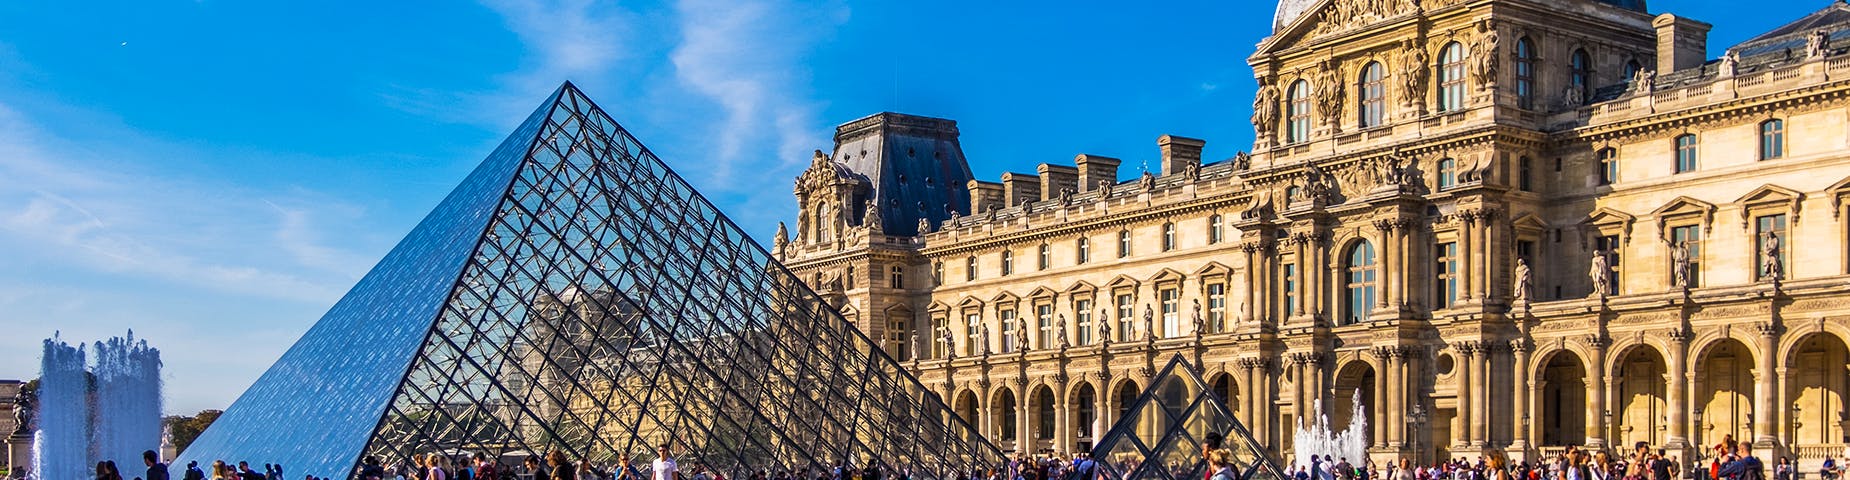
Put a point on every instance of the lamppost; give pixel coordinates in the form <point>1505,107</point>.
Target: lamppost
<point>1418,418</point>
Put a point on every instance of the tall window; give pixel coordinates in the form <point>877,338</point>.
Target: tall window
<point>1525,73</point>
<point>1297,112</point>
<point>970,268</point>
<point>940,328</point>
<point>1008,330</point>
<point>1686,153</point>
<point>1580,75</point>
<point>899,336</point>
<point>1045,256</point>
<point>1374,96</point>
<point>896,277</point>
<point>1044,315</point>
<point>1043,408</point>
<point>1124,243</point>
<point>1172,324</point>
<point>1446,266</point>
<point>1125,312</point>
<point>1524,175</point>
<point>973,333</point>
<point>1217,307</point>
<point>1608,166</point>
<point>1088,413</point>
<point>1082,251</point>
<point>1609,246</point>
<point>1772,139</point>
<point>1008,262</point>
<point>1008,415</point>
<point>1082,313</point>
<point>1448,173</point>
<point>1214,232</point>
<point>1690,236</point>
<point>1169,236</point>
<point>937,272</point>
<point>1361,282</point>
<point>1764,227</point>
<point>1452,77</point>
<point>1291,289</point>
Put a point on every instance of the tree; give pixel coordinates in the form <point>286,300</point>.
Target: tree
<point>187,428</point>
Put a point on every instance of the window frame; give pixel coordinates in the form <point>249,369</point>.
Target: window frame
<point>1169,236</point>
<point>1124,243</point>
<point>1772,136</point>
<point>1687,153</point>
<point>1082,251</point>
<point>1525,73</point>
<point>1372,96</point>
<point>1448,173</point>
<point>1606,161</point>
<point>1445,274</point>
<point>1298,112</point>
<point>1692,233</point>
<point>1452,77</point>
<point>1361,282</point>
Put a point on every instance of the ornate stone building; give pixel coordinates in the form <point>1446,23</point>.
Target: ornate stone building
<point>1500,224</point>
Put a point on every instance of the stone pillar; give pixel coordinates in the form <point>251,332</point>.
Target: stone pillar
<point>1485,350</point>
<point>1062,424</point>
<point>1107,412</point>
<point>1596,393</point>
<point>1765,389</point>
<point>1467,246</point>
<point>1248,387</point>
<point>1677,439</point>
<point>987,421</point>
<point>1519,399</point>
<point>1467,414</point>
<point>1383,358</point>
<point>1252,278</point>
<point>1394,404</point>
<point>1390,285</point>
<point>1024,436</point>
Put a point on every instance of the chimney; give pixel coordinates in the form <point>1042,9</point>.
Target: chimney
<point>1055,178</point>
<point>1018,187</point>
<point>1093,168</point>
<point>1682,43</point>
<point>1179,153</point>
<point>985,195</point>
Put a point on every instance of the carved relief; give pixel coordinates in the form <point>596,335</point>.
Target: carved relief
<point>1265,109</point>
<point>1345,15</point>
<point>1329,89</point>
<point>1487,56</point>
<point>1413,76</point>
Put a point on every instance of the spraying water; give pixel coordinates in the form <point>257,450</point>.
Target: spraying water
<point>1320,440</point>
<point>81,421</point>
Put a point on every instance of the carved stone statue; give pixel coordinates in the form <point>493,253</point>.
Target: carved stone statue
<point>1265,109</point>
<point>1644,81</point>
<point>1771,267</point>
<point>924,226</point>
<point>983,334</point>
<point>1488,56</point>
<point>1329,90</point>
<point>1191,171</point>
<point>1679,265</point>
<point>871,219</point>
<point>1149,323</point>
<point>1601,274</point>
<point>1242,161</point>
<point>24,405</point>
<point>1060,336</point>
<point>1104,327</point>
<point>1817,44</point>
<point>1147,182</point>
<point>781,241</point>
<point>950,345</point>
<point>1066,196</point>
<point>1021,336</point>
<point>1201,325</point>
<point>1574,97</point>
<point>1414,73</point>
<point>1524,285</point>
<point>1104,187</point>
<point>1730,64</point>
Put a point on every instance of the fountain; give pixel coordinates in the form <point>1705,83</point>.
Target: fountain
<point>1320,440</point>
<point>110,412</point>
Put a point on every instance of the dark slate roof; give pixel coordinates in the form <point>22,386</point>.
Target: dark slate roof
<point>914,164</point>
<point>1776,48</point>
<point>1792,36</point>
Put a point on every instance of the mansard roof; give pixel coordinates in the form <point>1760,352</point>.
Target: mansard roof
<point>1833,18</point>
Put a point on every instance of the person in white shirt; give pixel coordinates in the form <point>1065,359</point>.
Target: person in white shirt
<point>665,468</point>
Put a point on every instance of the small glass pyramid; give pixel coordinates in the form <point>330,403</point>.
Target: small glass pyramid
<point>574,294</point>
<point>1160,436</point>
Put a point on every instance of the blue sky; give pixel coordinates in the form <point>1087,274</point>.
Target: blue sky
<point>215,174</point>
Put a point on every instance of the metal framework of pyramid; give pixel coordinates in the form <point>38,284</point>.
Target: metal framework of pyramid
<point>1160,436</point>
<point>575,294</point>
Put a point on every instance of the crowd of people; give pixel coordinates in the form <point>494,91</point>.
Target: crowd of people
<point>1728,460</point>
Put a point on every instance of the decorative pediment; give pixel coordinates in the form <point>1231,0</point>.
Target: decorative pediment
<point>1331,17</point>
<point>1213,268</point>
<point>898,310</point>
<point>1005,298</point>
<point>1123,281</point>
<point>1167,275</point>
<point>1081,286</point>
<point>1770,197</point>
<point>1043,292</point>
<point>970,302</point>
<point>937,307</point>
<point>1529,222</point>
<point>1682,208</point>
<point>1608,220</point>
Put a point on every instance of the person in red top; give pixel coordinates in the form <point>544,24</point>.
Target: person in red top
<point>1209,443</point>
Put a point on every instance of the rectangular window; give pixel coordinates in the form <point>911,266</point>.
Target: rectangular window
<point>897,339</point>
<point>1083,252</point>
<point>1772,139</point>
<point>1291,289</point>
<point>1124,243</point>
<point>1217,307</point>
<point>1686,154</point>
<point>1169,236</point>
<point>1008,263</point>
<point>1126,311</point>
<point>1044,315</point>
<point>896,277</point>
<point>1009,342</point>
<point>1046,256</point>
<point>970,269</point>
<point>1689,236</point>
<point>1172,323</point>
<point>1523,175</point>
<point>1609,245</point>
<point>1082,313</point>
<point>1445,292</point>
<point>1608,166</point>
<point>1767,227</point>
<point>937,272</point>
<point>1214,232</point>
<point>940,330</point>
<point>973,333</point>
<point>1525,250</point>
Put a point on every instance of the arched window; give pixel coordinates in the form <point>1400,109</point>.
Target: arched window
<point>1772,139</point>
<point>1448,173</point>
<point>1686,153</point>
<point>1452,77</point>
<point>1373,93</point>
<point>1581,76</point>
<point>1525,73</point>
<point>1297,113</point>
<point>1608,166</point>
<point>1360,284</point>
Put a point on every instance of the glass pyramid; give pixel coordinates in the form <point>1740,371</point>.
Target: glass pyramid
<point>574,294</point>
<point>1160,436</point>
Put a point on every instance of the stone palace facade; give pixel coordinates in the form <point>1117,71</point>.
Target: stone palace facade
<point>1500,224</point>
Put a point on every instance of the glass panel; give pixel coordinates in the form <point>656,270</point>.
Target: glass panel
<point>1179,412</point>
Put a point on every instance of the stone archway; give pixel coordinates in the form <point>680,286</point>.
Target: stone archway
<point>1040,419</point>
<point>1228,390</point>
<point>966,407</point>
<point>1818,385</point>
<point>1086,424</point>
<point>1724,393</point>
<point>1638,393</point>
<point>1562,389</point>
<point>1003,419</point>
<point>1354,377</point>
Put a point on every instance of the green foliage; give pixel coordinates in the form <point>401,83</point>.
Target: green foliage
<point>187,428</point>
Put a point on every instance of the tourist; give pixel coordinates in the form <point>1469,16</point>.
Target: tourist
<point>106,471</point>
<point>665,468</point>
<point>558,467</point>
<point>1220,465</point>
<point>1783,469</point>
<point>438,468</point>
<point>193,472</point>
<point>1829,470</point>
<point>484,469</point>
<point>156,469</point>
<point>370,469</point>
<point>1744,467</point>
<point>625,470</point>
<point>245,472</point>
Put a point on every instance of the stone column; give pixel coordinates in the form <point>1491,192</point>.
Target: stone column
<point>1677,439</point>
<point>1255,309</point>
<point>1596,393</point>
<point>1764,387</point>
<point>1394,404</point>
<point>1383,358</point>
<point>1107,413</point>
<point>1247,387</point>
<point>1486,350</point>
<point>1024,436</point>
<point>1062,424</point>
<point>1519,399</point>
<point>1390,266</point>
<point>1466,384</point>
<point>1467,246</point>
